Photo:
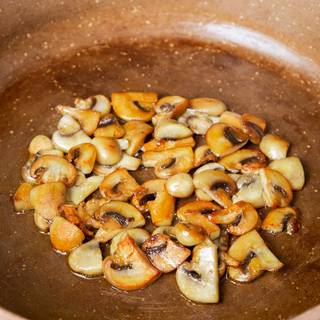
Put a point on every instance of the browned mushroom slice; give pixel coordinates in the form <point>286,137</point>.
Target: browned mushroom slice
<point>229,260</point>
<point>161,145</point>
<point>152,196</point>
<point>83,156</point>
<point>165,254</point>
<point>292,169</point>
<point>196,213</point>
<point>274,147</point>
<point>168,230</point>
<point>244,160</point>
<point>281,220</point>
<point>53,169</point>
<point>98,103</point>
<point>170,107</point>
<point>254,127</point>
<point>118,185</point>
<point>223,139</point>
<point>254,256</point>
<point>276,188</point>
<point>88,119</point>
<point>189,234</point>
<point>21,198</point>
<point>216,184</point>
<point>68,126</point>
<point>171,129</point>
<point>198,280</point>
<point>136,133</point>
<point>129,269</point>
<point>198,122</point>
<point>202,155</point>
<point>46,199</point>
<point>39,143</point>
<point>65,143</point>
<point>232,119</point>
<point>241,217</point>
<point>180,185</point>
<point>134,105</point>
<point>210,106</point>
<point>109,127</point>
<point>108,150</point>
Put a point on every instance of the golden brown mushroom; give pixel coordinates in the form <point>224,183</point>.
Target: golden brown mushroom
<point>274,147</point>
<point>210,106</point>
<point>110,127</point>
<point>170,107</point>
<point>21,198</point>
<point>108,150</point>
<point>164,144</point>
<point>202,155</point>
<point>83,156</point>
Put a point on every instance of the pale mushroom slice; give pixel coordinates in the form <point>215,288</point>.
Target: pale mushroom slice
<point>171,129</point>
<point>201,195</point>
<point>110,127</point>
<point>249,190</point>
<point>164,144</point>
<point>39,143</point>
<point>129,269</point>
<point>223,139</point>
<point>83,156</point>
<point>254,256</point>
<point>196,213</point>
<point>134,105</point>
<point>180,185</point>
<point>118,185</point>
<point>281,220</point>
<point>81,191</point>
<point>210,166</point>
<point>210,106</point>
<point>21,199</point>
<point>202,155</point>
<point>25,172</point>
<point>65,143</point>
<point>64,235</point>
<point>49,152</point>
<point>216,184</point>
<point>292,169</point>
<point>108,150</point>
<point>47,198</point>
<point>198,280</point>
<point>254,127</point>
<point>98,103</point>
<point>164,253</point>
<point>87,259</point>
<point>136,133</point>
<point>170,107</point>
<point>88,119</point>
<point>68,126</point>
<point>169,162</point>
<point>41,223</point>
<point>241,217</point>
<point>53,169</point>
<point>232,119</point>
<point>274,147</point>
<point>276,188</point>
<point>153,197</point>
<point>137,234</point>
<point>244,160</point>
<point>189,234</point>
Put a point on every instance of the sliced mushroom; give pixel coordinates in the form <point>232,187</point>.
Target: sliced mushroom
<point>46,199</point>
<point>254,127</point>
<point>65,143</point>
<point>167,230</point>
<point>216,184</point>
<point>134,105</point>
<point>21,198</point>
<point>244,160</point>
<point>83,156</point>
<point>189,234</point>
<point>164,253</point>
<point>202,155</point>
<point>210,166</point>
<point>161,145</point>
<point>68,126</point>
<point>171,129</point>
<point>88,119</point>
<point>118,185</point>
<point>276,188</point>
<point>180,185</point>
<point>80,192</point>
<point>281,219</point>
<point>198,280</point>
<point>232,119</point>
<point>109,127</point>
<point>196,213</point>
<point>169,162</point>
<point>98,103</point>
<point>292,169</point>
<point>49,152</point>
<point>249,190</point>
<point>129,269</point>
<point>53,169</point>
<point>86,259</point>
<point>70,213</point>
<point>64,235</point>
<point>274,147</point>
<point>201,195</point>
<point>210,106</point>
<point>152,196</point>
<point>171,107</point>
<point>39,143</point>
<point>137,234</point>
<point>254,256</point>
<point>223,139</point>
<point>41,223</point>
<point>136,133</point>
<point>241,217</point>
<point>108,150</point>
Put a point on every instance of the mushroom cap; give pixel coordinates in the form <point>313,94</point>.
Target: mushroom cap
<point>39,143</point>
<point>21,197</point>
<point>210,106</point>
<point>171,106</point>
<point>108,150</point>
<point>274,147</point>
<point>188,234</point>
<point>180,185</point>
<point>109,127</point>
<point>171,129</point>
<point>83,156</point>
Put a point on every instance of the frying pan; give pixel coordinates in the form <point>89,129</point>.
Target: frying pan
<point>257,56</point>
